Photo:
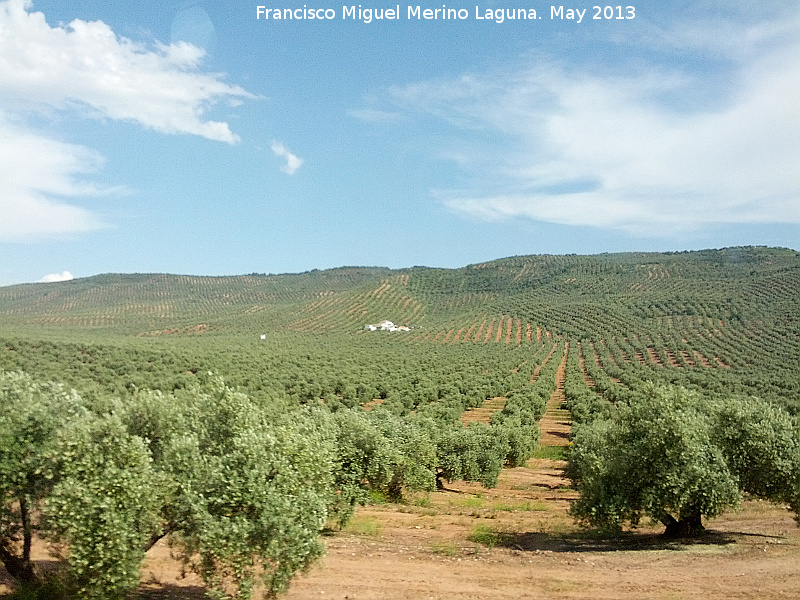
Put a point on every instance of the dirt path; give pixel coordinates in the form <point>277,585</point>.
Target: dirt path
<point>556,424</point>
<point>426,548</point>
<point>484,413</point>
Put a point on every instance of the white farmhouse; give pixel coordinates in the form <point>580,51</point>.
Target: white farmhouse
<point>386,326</point>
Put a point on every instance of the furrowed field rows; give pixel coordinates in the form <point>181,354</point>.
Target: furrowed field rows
<point>641,314</point>
<point>353,312</point>
<point>483,413</point>
<point>505,329</point>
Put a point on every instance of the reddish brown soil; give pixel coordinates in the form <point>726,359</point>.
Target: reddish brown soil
<point>556,424</point>
<point>672,360</point>
<point>421,549</point>
<point>596,355</point>
<point>654,357</point>
<point>703,360</point>
<point>484,413</point>
<point>373,403</point>
<point>468,336</point>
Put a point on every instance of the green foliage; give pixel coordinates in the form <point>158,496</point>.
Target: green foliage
<point>485,536</point>
<point>474,453</point>
<point>104,506</point>
<point>30,417</point>
<point>243,488</point>
<point>251,488</point>
<point>761,444</point>
<point>379,452</point>
<point>674,458</point>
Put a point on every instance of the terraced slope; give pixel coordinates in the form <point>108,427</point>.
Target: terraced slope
<point>576,296</point>
<point>716,308</point>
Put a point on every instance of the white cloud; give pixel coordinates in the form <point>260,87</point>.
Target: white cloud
<point>292,162</point>
<point>571,147</point>
<point>86,65</point>
<point>56,277</point>
<point>85,68</point>
<point>37,174</point>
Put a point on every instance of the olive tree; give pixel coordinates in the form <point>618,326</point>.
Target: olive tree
<point>378,451</point>
<point>473,453</point>
<point>104,506</point>
<point>761,444</point>
<point>242,489</point>
<point>676,458</point>
<point>30,416</point>
<point>251,485</point>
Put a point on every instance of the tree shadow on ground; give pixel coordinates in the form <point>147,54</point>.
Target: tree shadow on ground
<point>168,591</point>
<point>593,541</point>
<point>45,568</point>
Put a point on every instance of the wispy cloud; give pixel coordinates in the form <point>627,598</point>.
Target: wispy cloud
<point>292,162</point>
<point>38,175</point>
<point>85,68</point>
<point>56,277</point>
<point>633,151</point>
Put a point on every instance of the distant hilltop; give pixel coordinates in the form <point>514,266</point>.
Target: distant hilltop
<point>750,290</point>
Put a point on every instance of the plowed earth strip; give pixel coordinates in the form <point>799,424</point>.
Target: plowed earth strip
<point>484,413</point>
<point>556,424</point>
<point>654,357</point>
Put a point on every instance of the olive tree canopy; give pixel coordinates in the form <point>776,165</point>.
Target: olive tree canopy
<point>675,457</point>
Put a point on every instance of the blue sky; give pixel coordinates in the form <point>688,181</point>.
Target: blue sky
<point>191,137</point>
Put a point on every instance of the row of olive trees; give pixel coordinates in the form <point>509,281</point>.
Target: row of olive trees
<point>674,456</point>
<point>242,488</point>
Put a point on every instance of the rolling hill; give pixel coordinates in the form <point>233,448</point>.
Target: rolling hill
<point>750,288</point>
<point>726,320</point>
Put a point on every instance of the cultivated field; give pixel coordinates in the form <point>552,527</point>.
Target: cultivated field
<point>502,363</point>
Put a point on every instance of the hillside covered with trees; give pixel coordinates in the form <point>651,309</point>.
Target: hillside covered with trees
<point>240,416</point>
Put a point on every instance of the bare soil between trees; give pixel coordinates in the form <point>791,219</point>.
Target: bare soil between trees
<point>517,541</point>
